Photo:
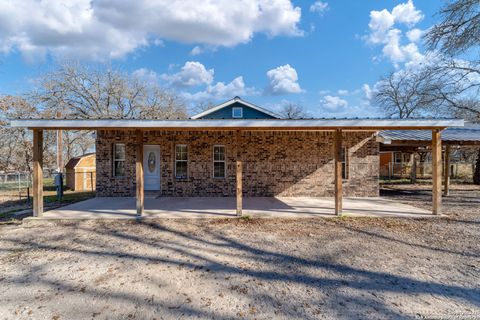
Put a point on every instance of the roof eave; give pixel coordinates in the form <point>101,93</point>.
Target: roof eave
<point>257,124</point>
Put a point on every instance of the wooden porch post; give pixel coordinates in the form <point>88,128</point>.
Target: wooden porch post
<point>37,172</point>
<point>239,174</point>
<point>338,172</point>
<point>413,173</point>
<point>446,172</point>
<point>436,171</point>
<point>139,173</point>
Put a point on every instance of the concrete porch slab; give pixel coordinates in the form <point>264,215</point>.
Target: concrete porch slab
<point>221,207</point>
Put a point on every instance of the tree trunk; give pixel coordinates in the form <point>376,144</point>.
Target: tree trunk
<point>476,174</point>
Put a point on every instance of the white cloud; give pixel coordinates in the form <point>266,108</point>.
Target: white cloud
<point>111,29</point>
<point>414,35</point>
<point>384,31</point>
<point>221,91</point>
<point>397,53</point>
<point>367,91</point>
<point>283,80</point>
<point>412,55</point>
<point>319,6</point>
<point>407,13</point>
<point>342,92</point>
<point>380,23</point>
<point>334,104</point>
<point>193,73</point>
<point>146,75</point>
<point>392,48</point>
<point>196,51</point>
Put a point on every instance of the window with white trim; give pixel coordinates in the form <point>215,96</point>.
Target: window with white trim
<point>119,159</point>
<point>181,161</point>
<point>237,112</point>
<point>344,163</point>
<point>397,157</point>
<point>219,166</point>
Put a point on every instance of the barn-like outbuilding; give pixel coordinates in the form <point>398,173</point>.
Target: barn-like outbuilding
<point>80,173</point>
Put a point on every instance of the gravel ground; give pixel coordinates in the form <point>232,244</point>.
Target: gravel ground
<point>336,268</point>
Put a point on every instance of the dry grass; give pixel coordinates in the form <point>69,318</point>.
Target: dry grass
<point>333,268</point>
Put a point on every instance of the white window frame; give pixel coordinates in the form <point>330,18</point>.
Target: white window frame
<point>219,161</point>
<point>115,160</point>
<point>237,108</point>
<point>176,161</point>
<point>345,163</point>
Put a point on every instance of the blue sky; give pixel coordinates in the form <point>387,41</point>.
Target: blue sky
<point>324,55</point>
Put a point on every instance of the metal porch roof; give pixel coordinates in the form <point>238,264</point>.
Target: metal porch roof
<point>239,124</point>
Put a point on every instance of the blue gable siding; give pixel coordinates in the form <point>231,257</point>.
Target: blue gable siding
<point>248,113</point>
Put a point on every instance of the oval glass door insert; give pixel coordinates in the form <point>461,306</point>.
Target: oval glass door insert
<point>152,161</point>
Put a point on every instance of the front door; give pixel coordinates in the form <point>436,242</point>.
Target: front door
<point>151,167</point>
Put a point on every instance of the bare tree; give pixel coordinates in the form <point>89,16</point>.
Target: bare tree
<point>406,94</point>
<point>77,143</point>
<point>202,106</point>
<point>16,143</point>
<point>93,93</point>
<point>293,111</point>
<point>458,29</point>
<point>457,32</point>
<point>77,91</point>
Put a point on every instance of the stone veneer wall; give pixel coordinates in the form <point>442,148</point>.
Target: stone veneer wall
<point>275,163</point>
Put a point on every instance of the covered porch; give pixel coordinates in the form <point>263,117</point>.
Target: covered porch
<point>224,207</point>
<point>139,206</point>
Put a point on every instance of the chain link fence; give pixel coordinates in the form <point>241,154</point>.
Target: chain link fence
<point>16,187</point>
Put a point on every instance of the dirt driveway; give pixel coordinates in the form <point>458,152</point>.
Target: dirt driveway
<point>334,268</point>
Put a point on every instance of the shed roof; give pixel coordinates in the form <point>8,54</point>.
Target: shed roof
<point>73,162</point>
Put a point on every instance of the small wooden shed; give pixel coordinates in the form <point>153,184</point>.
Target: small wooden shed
<point>80,173</point>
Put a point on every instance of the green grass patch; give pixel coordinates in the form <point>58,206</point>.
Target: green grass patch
<point>69,197</point>
<point>245,218</point>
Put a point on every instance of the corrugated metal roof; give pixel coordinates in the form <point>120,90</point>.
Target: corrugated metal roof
<point>467,133</point>
<point>241,123</point>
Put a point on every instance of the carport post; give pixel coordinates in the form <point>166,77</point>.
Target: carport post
<point>139,173</point>
<point>446,172</point>
<point>338,172</point>
<point>436,171</point>
<point>239,169</point>
<point>37,172</point>
<point>413,173</point>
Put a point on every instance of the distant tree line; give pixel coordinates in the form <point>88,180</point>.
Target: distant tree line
<point>73,91</point>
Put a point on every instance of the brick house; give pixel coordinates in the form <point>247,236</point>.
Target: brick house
<point>238,149</point>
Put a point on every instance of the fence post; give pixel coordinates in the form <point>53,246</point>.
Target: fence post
<point>19,187</point>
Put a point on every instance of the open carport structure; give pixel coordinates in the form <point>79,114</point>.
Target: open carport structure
<point>325,157</point>
<point>413,140</point>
